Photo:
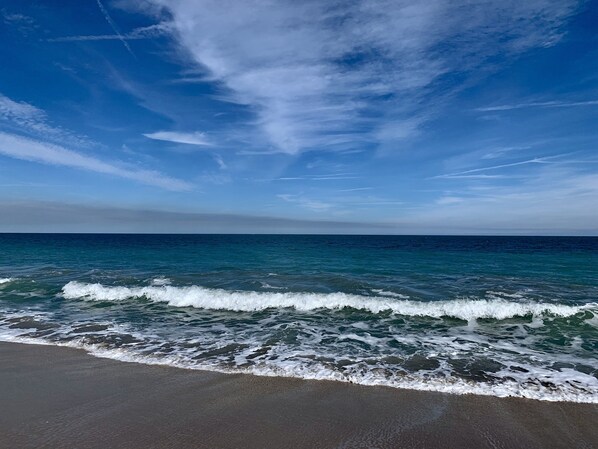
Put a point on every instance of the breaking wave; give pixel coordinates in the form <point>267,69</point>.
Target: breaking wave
<point>248,301</point>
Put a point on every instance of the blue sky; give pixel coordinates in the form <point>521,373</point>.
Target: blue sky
<point>461,117</point>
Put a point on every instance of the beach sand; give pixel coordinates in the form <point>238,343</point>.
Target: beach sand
<point>52,397</point>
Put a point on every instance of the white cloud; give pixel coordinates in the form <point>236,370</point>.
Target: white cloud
<point>32,120</point>
<point>194,138</point>
<point>17,111</point>
<point>501,151</point>
<point>328,74</point>
<point>27,149</point>
<point>218,159</point>
<point>50,142</point>
<point>21,22</point>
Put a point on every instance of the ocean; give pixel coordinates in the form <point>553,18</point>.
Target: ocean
<point>500,316</point>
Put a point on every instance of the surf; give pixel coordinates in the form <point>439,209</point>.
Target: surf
<point>252,301</point>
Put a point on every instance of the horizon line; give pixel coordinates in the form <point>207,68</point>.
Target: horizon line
<point>297,234</point>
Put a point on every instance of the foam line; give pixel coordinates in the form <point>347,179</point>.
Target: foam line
<point>451,385</point>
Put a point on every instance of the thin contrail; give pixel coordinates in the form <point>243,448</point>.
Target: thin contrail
<point>113,25</point>
<point>536,160</point>
<point>539,104</point>
<point>148,32</point>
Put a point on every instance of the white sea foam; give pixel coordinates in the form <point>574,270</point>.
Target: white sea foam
<point>273,287</point>
<point>495,294</point>
<point>381,292</point>
<point>218,299</point>
<point>5,280</point>
<point>526,371</point>
<point>575,386</point>
<point>161,281</point>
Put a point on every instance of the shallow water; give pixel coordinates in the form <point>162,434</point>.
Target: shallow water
<point>503,316</point>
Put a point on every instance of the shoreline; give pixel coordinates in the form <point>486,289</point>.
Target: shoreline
<point>456,390</point>
<point>59,397</point>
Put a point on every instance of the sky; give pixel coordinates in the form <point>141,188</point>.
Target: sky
<point>267,116</point>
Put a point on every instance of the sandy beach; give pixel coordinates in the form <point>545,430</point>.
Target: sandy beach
<point>55,397</point>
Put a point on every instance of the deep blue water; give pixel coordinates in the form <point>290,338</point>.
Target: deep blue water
<point>489,315</point>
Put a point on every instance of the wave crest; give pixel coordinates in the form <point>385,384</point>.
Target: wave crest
<point>247,301</point>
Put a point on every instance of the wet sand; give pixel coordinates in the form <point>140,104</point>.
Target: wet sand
<point>53,397</point>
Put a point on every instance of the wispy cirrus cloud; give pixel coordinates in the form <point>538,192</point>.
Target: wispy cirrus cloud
<point>346,205</point>
<point>34,121</point>
<point>553,200</point>
<point>192,138</point>
<point>23,23</point>
<point>27,149</point>
<point>325,75</point>
<point>444,200</point>
<point>496,153</point>
<point>218,159</point>
<point>19,111</point>
<point>307,203</point>
<point>46,143</point>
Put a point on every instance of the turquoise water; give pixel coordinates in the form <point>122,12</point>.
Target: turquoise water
<point>503,316</point>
